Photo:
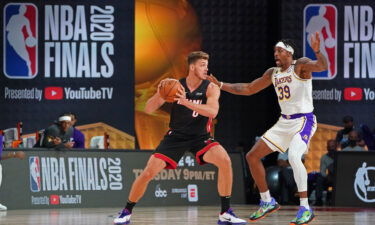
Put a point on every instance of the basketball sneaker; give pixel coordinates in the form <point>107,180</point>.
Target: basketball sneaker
<point>264,209</point>
<point>229,218</point>
<point>3,207</point>
<point>304,216</point>
<point>123,218</point>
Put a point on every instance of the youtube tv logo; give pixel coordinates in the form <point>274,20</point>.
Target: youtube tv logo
<point>53,93</point>
<point>353,94</point>
<point>54,199</point>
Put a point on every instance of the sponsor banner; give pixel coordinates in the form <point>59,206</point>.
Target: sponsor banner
<point>55,179</point>
<point>347,40</point>
<point>68,52</point>
<point>355,179</point>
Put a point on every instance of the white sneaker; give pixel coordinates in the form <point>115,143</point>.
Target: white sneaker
<point>229,218</point>
<point>123,218</point>
<point>3,207</point>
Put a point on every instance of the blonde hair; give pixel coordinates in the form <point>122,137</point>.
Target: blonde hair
<point>194,56</point>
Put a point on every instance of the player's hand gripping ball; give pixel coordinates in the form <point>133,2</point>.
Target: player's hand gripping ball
<point>168,89</point>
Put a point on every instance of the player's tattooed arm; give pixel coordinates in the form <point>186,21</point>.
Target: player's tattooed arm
<point>250,88</point>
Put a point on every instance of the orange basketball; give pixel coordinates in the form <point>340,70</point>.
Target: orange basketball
<point>169,89</point>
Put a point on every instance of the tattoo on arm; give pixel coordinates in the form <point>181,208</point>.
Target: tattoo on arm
<point>238,88</point>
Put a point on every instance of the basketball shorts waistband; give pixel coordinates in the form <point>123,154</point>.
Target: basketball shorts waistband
<point>297,115</point>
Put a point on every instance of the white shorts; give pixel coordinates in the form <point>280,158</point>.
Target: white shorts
<point>278,138</point>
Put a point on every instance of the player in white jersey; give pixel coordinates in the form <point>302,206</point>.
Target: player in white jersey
<point>297,124</point>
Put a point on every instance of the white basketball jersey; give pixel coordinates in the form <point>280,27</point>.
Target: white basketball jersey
<point>294,93</point>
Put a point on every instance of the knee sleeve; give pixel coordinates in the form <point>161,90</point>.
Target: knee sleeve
<point>296,150</point>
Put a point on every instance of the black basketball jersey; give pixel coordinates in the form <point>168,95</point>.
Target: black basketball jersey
<point>186,121</point>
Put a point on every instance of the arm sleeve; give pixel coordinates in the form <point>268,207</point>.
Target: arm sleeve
<point>79,140</point>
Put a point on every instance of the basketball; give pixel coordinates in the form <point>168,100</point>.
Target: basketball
<point>30,41</point>
<point>330,42</point>
<point>169,89</point>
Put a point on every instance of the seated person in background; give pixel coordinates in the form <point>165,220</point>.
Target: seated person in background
<point>354,142</point>
<point>9,155</point>
<point>59,135</point>
<point>325,178</point>
<point>287,183</point>
<point>368,137</point>
<point>342,136</point>
<point>78,136</point>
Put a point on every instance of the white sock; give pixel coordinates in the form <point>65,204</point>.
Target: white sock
<point>266,196</point>
<point>304,202</point>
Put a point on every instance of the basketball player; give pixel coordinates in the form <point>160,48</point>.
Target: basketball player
<point>195,107</point>
<point>292,80</point>
<point>9,155</point>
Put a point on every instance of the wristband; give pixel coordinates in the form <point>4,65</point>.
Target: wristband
<point>221,84</point>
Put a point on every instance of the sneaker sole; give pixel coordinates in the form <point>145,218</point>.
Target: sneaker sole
<point>230,223</point>
<point>312,219</point>
<point>125,223</point>
<point>266,214</point>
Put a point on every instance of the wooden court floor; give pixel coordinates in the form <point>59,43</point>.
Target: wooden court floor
<point>201,215</point>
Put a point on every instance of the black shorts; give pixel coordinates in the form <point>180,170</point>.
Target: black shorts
<point>174,146</point>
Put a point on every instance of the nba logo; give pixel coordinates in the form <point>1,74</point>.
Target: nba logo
<point>20,40</point>
<point>192,193</point>
<point>34,165</point>
<point>321,18</point>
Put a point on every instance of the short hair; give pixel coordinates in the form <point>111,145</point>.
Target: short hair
<point>194,56</point>
<point>347,119</point>
<point>289,42</point>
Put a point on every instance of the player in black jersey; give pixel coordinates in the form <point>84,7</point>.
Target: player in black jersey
<point>192,112</point>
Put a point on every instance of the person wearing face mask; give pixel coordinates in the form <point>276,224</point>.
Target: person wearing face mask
<point>353,142</point>
<point>325,178</point>
<point>342,136</point>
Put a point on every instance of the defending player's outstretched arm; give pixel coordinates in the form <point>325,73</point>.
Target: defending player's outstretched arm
<point>210,109</point>
<point>245,88</point>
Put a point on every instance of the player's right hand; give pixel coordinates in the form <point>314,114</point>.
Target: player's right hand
<point>213,79</point>
<point>57,141</point>
<point>69,144</point>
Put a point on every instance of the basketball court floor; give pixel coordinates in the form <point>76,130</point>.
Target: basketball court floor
<point>200,215</point>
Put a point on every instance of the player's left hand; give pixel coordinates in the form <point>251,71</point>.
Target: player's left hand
<point>315,42</point>
<point>180,95</point>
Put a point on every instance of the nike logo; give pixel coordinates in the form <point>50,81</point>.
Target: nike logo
<point>228,219</point>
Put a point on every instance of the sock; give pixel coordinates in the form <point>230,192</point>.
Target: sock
<point>266,196</point>
<point>225,204</point>
<point>304,202</point>
<point>130,205</point>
